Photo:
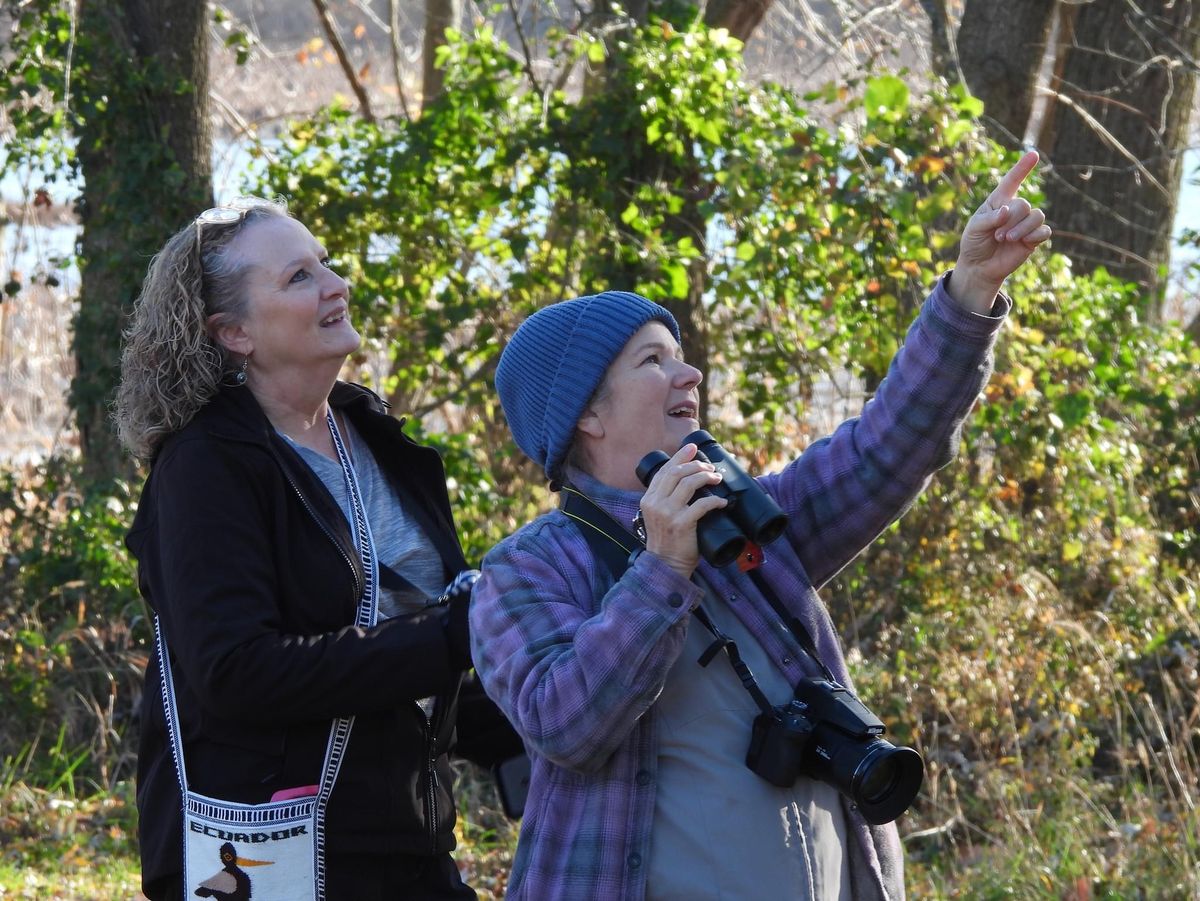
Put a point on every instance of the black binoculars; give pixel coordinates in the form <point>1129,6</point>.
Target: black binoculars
<point>750,514</point>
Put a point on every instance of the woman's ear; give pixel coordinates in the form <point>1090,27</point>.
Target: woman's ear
<point>231,337</point>
<point>589,424</point>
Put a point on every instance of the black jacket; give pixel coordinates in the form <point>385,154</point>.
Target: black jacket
<point>250,565</point>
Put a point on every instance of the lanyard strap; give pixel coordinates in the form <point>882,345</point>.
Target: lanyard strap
<point>723,642</point>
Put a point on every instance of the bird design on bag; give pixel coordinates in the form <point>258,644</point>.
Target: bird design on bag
<point>230,883</point>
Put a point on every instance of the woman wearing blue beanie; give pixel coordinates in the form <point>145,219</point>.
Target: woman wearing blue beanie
<point>640,786</point>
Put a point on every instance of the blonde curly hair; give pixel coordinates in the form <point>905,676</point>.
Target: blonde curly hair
<point>171,366</point>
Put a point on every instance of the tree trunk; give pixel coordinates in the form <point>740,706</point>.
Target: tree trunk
<point>145,151</point>
<point>739,17</point>
<point>1120,129</point>
<point>439,15</point>
<point>1000,52</point>
<point>939,38</point>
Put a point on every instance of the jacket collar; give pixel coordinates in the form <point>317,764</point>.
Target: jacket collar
<point>619,503</point>
<point>235,413</point>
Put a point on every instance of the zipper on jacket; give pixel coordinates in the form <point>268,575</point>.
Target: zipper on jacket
<point>431,793</point>
<point>321,524</point>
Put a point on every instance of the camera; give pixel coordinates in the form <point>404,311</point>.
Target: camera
<point>827,733</point>
<point>750,513</point>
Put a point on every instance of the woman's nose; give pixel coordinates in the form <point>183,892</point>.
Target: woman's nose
<point>335,284</point>
<point>689,375</point>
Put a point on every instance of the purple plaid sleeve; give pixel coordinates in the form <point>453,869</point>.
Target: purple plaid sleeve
<point>571,672</point>
<point>847,488</point>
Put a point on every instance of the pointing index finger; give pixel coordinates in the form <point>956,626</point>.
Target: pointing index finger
<point>1010,184</point>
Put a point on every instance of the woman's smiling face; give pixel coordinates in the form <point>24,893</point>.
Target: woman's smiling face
<point>297,313</point>
<point>648,401</point>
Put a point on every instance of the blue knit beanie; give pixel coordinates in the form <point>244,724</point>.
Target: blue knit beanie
<point>557,359</point>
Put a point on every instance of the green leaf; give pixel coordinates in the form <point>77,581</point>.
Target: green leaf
<point>971,106</point>
<point>710,131</point>
<point>1073,409</point>
<point>886,98</point>
<point>677,275</point>
<point>958,130</point>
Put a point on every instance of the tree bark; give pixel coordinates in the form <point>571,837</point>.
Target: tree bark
<point>1120,129</point>
<point>439,15</point>
<point>739,17</point>
<point>145,151</point>
<point>1000,52</point>
<point>939,38</point>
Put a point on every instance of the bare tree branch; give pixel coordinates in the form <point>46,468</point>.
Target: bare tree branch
<point>394,35</point>
<point>526,56</point>
<point>339,47</point>
<point>1108,138</point>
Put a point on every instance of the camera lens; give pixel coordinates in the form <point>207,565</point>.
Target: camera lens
<point>885,781</point>
<point>879,780</point>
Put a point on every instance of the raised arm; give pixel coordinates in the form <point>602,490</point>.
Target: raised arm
<point>845,489</point>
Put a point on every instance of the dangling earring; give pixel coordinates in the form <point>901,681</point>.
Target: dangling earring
<point>239,377</point>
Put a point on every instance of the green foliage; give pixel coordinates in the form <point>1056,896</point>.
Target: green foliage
<point>810,241</point>
<point>72,633</point>
<point>35,83</point>
<point>62,846</point>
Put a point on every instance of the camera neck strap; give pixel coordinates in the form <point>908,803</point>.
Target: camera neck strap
<point>614,546</point>
<point>791,622</point>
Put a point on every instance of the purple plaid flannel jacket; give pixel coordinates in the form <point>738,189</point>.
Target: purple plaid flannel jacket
<point>576,662</point>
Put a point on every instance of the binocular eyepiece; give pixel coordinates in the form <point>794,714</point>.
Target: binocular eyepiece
<point>750,513</point>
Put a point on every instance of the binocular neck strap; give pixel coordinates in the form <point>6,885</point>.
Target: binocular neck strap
<point>723,642</point>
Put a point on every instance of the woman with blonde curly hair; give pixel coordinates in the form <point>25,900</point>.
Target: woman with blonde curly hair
<point>289,539</point>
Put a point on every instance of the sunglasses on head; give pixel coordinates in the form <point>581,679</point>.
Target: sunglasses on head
<point>219,215</point>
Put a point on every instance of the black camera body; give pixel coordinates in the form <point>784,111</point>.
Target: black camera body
<point>825,732</point>
<point>750,514</point>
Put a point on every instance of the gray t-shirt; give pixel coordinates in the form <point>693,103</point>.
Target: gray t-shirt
<point>400,543</point>
<point>720,831</point>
